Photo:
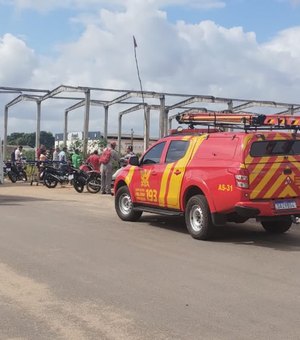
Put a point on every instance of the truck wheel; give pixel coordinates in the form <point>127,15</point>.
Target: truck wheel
<point>277,227</point>
<point>198,218</point>
<point>124,206</point>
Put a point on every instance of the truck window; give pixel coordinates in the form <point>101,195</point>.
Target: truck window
<point>177,150</point>
<point>154,154</point>
<point>275,148</point>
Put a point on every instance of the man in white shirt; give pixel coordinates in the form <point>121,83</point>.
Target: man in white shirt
<point>18,154</point>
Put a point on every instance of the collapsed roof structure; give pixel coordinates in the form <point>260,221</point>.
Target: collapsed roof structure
<point>167,104</point>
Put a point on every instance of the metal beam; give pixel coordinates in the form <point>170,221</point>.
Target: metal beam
<point>62,88</point>
<point>132,109</point>
<point>134,94</point>
<point>21,89</point>
<point>260,103</point>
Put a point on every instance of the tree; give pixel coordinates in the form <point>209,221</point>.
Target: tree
<point>21,138</point>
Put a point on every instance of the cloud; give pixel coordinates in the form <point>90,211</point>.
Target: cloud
<point>16,61</point>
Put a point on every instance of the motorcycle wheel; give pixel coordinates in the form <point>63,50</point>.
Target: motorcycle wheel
<point>79,184</point>
<point>50,182</point>
<point>23,176</point>
<point>93,185</point>
<point>12,176</point>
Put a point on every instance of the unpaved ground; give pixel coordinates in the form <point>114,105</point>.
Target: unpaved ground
<point>70,269</point>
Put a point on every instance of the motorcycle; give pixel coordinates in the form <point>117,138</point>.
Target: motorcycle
<point>15,171</point>
<point>79,179</point>
<point>52,176</point>
<point>88,177</point>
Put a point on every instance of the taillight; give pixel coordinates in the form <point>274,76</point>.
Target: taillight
<point>242,181</point>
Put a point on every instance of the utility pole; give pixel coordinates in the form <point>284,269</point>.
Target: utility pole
<point>132,132</point>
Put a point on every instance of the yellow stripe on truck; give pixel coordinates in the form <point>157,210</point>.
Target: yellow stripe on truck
<point>175,182</point>
<point>129,176</point>
<point>164,183</point>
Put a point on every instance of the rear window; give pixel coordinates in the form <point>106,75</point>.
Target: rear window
<point>275,148</point>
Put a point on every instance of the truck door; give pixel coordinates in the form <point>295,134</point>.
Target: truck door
<point>149,175</point>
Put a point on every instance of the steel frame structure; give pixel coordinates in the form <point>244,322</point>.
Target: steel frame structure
<point>167,104</point>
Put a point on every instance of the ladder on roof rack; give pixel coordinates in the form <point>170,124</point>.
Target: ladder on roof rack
<point>247,121</point>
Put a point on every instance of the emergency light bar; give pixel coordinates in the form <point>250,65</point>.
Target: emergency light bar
<point>244,120</point>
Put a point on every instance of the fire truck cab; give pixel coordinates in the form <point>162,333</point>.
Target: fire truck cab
<point>215,176</point>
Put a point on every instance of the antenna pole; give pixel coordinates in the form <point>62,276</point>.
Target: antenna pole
<point>140,81</point>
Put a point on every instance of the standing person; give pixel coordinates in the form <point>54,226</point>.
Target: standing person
<point>43,156</point>
<point>76,159</point>
<point>55,157</point>
<point>106,167</point>
<point>18,154</point>
<point>94,160</point>
<point>13,155</point>
<point>62,157</point>
<point>129,152</point>
<point>39,151</point>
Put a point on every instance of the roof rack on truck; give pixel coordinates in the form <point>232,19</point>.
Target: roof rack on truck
<point>246,121</point>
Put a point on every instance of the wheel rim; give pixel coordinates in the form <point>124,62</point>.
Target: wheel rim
<point>196,218</point>
<point>125,204</point>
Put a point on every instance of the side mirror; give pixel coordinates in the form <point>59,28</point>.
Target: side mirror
<point>134,160</point>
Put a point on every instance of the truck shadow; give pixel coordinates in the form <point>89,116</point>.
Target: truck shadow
<point>248,234</point>
<point>18,200</point>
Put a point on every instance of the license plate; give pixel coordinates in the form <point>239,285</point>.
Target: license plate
<point>282,205</point>
<point>71,177</point>
<point>8,169</point>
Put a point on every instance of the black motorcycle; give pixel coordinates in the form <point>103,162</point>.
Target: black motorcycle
<point>93,183</point>
<point>52,176</point>
<point>79,180</point>
<point>87,176</point>
<point>15,171</point>
<point>90,179</point>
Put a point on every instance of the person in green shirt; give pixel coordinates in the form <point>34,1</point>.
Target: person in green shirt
<point>76,159</point>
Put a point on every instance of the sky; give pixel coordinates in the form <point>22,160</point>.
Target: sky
<point>228,48</point>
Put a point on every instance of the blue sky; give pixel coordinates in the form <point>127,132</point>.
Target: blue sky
<point>44,30</point>
<point>230,48</point>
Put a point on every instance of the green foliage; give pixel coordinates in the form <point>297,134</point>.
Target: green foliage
<point>21,138</point>
<point>29,154</point>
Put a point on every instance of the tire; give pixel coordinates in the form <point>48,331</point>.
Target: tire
<point>93,184</point>
<point>277,227</point>
<point>79,184</point>
<point>12,176</point>
<point>198,218</point>
<point>23,176</point>
<point>50,182</point>
<point>124,206</point>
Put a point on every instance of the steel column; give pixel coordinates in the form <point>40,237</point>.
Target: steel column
<point>86,122</point>
<point>5,132</point>
<point>66,127</point>
<point>162,117</point>
<point>119,132</point>
<point>146,128</point>
<point>38,126</point>
<point>105,122</point>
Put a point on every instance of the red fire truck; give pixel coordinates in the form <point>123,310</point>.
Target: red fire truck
<point>235,167</point>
